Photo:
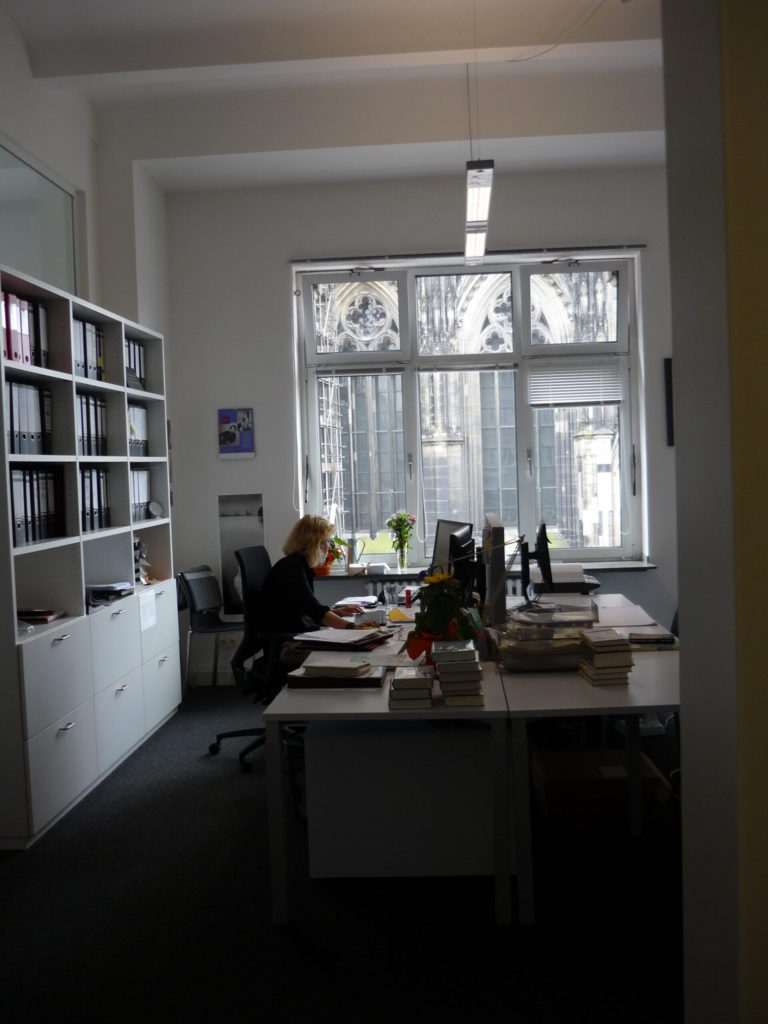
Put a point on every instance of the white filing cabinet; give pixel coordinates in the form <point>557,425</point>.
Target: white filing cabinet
<point>84,492</point>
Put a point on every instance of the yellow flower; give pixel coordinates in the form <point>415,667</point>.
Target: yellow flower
<point>438,577</point>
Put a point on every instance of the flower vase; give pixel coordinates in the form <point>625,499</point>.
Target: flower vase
<point>402,559</point>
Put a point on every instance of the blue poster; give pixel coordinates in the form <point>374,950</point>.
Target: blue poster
<point>236,432</point>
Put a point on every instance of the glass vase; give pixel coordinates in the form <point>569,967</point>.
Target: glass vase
<point>402,558</point>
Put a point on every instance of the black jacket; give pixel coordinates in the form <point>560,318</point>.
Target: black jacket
<point>288,599</point>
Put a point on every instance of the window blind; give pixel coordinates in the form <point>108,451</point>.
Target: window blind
<point>553,385</point>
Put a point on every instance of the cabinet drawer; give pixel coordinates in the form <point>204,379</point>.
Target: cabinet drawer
<point>119,718</point>
<point>165,629</point>
<point>115,642</point>
<point>62,763</point>
<point>162,685</point>
<point>55,674</point>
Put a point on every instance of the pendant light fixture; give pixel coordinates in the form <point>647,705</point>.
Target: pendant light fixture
<point>479,178</point>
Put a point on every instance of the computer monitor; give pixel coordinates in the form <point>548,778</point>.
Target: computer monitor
<point>441,554</point>
<point>494,561</point>
<point>540,555</point>
<point>461,557</point>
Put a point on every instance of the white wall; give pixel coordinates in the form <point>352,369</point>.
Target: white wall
<point>230,337</point>
<point>51,129</point>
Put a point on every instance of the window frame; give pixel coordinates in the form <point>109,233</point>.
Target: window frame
<point>410,363</point>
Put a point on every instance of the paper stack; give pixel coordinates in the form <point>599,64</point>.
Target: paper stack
<point>606,656</point>
<point>459,673</point>
<point>411,688</point>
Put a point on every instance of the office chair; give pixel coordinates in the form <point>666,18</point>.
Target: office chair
<point>201,595</point>
<point>265,677</point>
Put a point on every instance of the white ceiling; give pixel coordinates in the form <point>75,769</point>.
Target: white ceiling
<point>122,52</point>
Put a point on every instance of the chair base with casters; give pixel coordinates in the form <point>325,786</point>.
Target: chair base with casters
<point>265,686</point>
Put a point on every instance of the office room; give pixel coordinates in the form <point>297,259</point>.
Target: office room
<point>196,193</point>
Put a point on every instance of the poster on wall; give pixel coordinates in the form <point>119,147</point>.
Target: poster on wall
<point>241,525</point>
<point>236,433</point>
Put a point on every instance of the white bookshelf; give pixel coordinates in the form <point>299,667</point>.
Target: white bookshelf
<point>68,714</point>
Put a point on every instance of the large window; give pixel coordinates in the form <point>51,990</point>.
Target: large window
<point>457,395</point>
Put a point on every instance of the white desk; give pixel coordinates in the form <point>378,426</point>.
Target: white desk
<point>349,705</point>
<point>654,685</point>
<point>517,698</point>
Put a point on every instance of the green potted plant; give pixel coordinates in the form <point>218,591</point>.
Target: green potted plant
<point>440,615</point>
<point>336,548</point>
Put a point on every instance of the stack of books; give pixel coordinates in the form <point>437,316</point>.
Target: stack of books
<point>459,673</point>
<point>606,656</point>
<point>334,669</point>
<point>411,688</point>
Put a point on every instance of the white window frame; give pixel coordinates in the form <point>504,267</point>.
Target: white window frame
<point>409,363</point>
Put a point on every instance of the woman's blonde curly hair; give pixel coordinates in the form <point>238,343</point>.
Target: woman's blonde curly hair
<point>306,536</point>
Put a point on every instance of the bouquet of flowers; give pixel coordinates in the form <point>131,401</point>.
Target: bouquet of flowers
<point>402,525</point>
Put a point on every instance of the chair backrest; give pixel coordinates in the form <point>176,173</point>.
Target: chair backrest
<point>254,563</point>
<point>202,592</point>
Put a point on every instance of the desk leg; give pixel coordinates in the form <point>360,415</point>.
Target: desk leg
<point>500,820</point>
<point>634,775</point>
<point>277,823</point>
<point>521,809</point>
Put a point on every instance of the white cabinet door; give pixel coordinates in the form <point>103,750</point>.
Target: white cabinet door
<point>165,628</point>
<point>162,685</point>
<point>62,763</point>
<point>119,718</point>
<point>55,674</point>
<point>115,642</point>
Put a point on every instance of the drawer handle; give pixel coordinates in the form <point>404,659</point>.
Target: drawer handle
<point>164,658</point>
<point>66,728</point>
<point>61,639</point>
<point>122,689</point>
<point>118,612</point>
<point>159,593</point>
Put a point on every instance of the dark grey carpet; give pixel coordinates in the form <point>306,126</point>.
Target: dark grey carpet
<point>150,902</point>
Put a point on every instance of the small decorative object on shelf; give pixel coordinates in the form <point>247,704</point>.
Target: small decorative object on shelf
<point>440,616</point>
<point>402,525</point>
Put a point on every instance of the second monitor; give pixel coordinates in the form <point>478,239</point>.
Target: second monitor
<point>454,552</point>
<point>441,553</point>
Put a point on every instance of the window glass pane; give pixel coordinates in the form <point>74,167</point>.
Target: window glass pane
<point>577,475</point>
<point>361,454</point>
<point>469,463</point>
<point>36,224</point>
<point>571,308</point>
<point>356,316</point>
<point>464,313</point>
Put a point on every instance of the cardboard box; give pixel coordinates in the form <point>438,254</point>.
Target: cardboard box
<point>588,788</point>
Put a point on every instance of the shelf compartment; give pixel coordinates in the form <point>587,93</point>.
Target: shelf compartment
<point>56,318</point>
<point>108,367</point>
<point>100,411</point>
<point>108,558</point>
<point>156,540</point>
<point>148,485</point>
<point>147,422</point>
<point>38,404</point>
<point>151,357</point>
<point>45,503</point>
<point>50,576</point>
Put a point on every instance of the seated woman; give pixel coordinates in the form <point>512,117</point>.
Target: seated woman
<point>288,601</point>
